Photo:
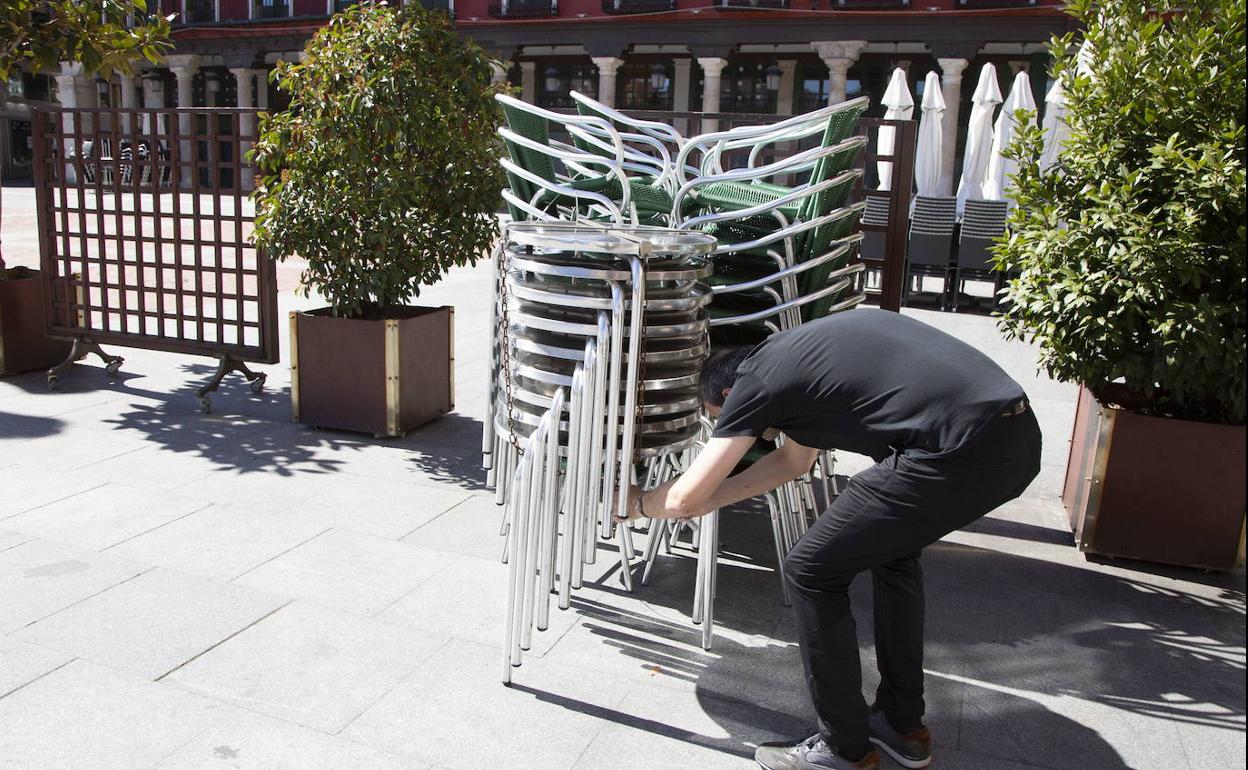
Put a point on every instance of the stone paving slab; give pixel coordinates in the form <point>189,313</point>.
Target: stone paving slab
<point>305,664</point>
<point>21,663</point>
<point>465,600</point>
<point>453,712</point>
<point>348,571</point>
<point>221,541</point>
<point>87,716</point>
<point>105,516</point>
<point>250,741</point>
<point>39,578</point>
<point>152,624</point>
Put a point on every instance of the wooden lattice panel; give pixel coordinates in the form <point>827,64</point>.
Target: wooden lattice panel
<point>145,223</point>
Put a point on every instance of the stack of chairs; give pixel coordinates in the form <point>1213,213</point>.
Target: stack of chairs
<point>785,254</point>
<point>601,336</point>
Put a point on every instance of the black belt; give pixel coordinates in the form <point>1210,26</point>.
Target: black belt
<point>1015,409</point>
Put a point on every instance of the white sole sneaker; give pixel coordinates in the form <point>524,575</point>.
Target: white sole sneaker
<point>900,759</point>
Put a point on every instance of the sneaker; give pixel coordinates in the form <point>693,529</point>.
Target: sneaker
<point>911,750</point>
<point>811,754</point>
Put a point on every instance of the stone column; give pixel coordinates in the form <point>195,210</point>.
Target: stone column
<point>788,84</point>
<point>712,71</point>
<point>262,89</point>
<point>68,95</point>
<point>951,70</point>
<point>183,67</point>
<point>682,82</point>
<point>154,99</point>
<point>75,89</point>
<point>839,56</point>
<point>129,100</point>
<point>528,81</point>
<point>608,68</point>
<point>246,122</point>
<point>499,69</point>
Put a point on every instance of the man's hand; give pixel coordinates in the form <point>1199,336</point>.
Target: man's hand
<point>632,510</point>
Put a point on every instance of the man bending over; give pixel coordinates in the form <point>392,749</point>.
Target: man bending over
<point>953,438</point>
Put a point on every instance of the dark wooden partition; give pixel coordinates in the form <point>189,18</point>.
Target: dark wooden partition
<point>144,232</point>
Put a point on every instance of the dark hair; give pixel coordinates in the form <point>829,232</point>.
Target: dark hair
<point>720,372</point>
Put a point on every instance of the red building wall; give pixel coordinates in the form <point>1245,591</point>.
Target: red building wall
<point>308,7</point>
<point>234,10</point>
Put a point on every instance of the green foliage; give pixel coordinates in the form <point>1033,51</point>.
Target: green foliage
<point>1131,252</point>
<point>103,35</point>
<point>383,173</point>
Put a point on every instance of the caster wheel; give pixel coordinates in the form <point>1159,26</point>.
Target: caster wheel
<point>257,385</point>
<point>112,369</point>
<point>52,380</point>
<point>205,405</point>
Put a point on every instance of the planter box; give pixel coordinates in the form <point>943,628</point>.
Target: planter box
<point>1156,489</point>
<point>380,377</point>
<point>23,344</point>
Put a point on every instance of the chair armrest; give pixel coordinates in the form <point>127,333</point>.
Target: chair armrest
<point>783,307</point>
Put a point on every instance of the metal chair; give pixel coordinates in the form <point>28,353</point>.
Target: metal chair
<point>982,223</point>
<point>930,244</point>
<point>590,178</point>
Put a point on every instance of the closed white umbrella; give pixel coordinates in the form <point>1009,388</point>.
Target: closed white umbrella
<point>927,164</point>
<point>1055,129</point>
<point>1056,132</point>
<point>1009,121</point>
<point>899,105</point>
<point>979,136</point>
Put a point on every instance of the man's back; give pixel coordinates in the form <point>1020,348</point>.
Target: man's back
<point>867,381</point>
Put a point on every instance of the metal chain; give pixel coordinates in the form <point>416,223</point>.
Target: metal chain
<point>505,359</point>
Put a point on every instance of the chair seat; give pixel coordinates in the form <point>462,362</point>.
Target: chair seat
<point>738,195</point>
<point>645,197</point>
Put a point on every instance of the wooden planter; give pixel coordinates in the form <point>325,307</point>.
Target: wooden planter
<point>380,377</point>
<point>1156,489</point>
<point>23,344</point>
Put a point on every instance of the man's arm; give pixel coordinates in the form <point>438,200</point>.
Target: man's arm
<point>706,485</point>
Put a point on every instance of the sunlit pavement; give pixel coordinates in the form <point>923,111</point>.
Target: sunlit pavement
<point>235,590</point>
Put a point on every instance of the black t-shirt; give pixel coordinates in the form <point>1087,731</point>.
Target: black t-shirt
<point>866,381</point>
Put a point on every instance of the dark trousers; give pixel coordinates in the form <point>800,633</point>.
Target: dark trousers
<point>881,522</point>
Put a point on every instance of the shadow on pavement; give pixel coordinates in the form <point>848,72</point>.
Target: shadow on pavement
<point>248,432</point>
<point>448,450</point>
<point>22,426</point>
<point>1028,659</point>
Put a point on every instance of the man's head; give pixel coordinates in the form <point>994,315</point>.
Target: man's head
<point>719,373</point>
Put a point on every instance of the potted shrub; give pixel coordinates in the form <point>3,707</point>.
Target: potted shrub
<point>105,36</point>
<point>383,175</point>
<point>1130,260</point>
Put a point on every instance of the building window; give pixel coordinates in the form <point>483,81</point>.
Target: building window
<point>744,89</point>
<point>272,9</point>
<point>646,85</point>
<point>200,11</point>
<point>556,78</point>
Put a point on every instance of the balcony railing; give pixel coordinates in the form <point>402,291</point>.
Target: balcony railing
<point>974,4</point>
<point>870,4</point>
<point>752,3</point>
<point>523,9</point>
<point>272,9</point>
<point>200,12</point>
<point>637,6</point>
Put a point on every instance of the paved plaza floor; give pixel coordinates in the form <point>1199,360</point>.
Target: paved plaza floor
<point>234,590</point>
